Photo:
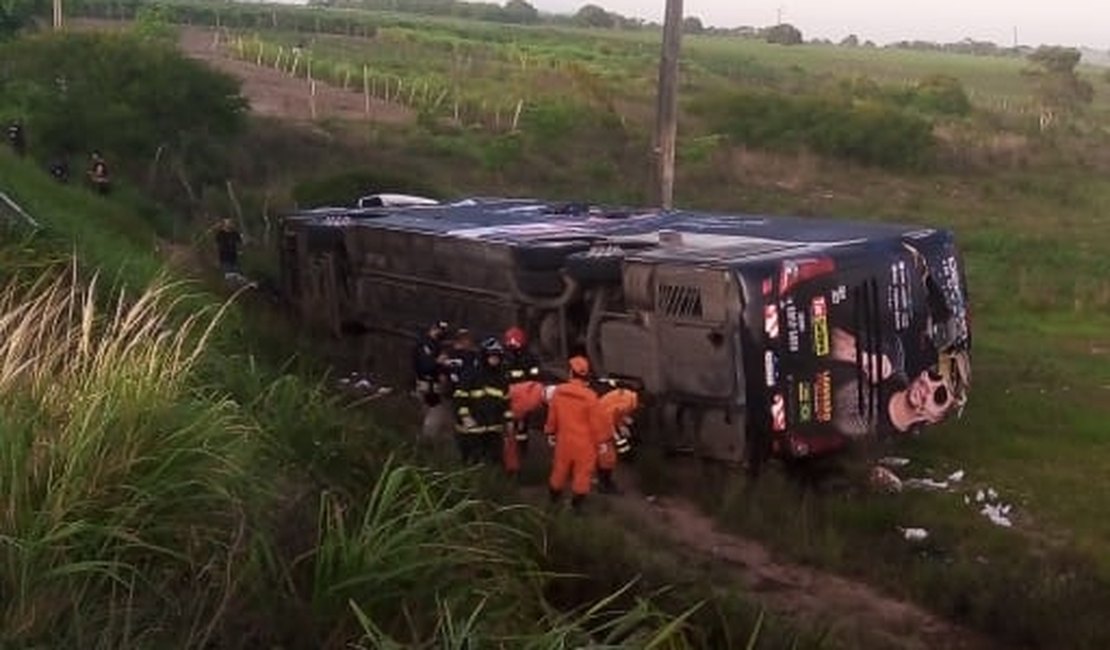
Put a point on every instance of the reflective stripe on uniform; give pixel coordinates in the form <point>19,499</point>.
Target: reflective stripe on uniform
<point>516,374</point>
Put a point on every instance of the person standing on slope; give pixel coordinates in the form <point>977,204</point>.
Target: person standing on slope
<point>617,406</point>
<point>576,427</point>
<point>523,371</point>
<point>428,357</point>
<point>482,406</point>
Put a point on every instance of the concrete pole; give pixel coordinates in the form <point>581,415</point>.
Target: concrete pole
<point>667,110</point>
<point>57,15</point>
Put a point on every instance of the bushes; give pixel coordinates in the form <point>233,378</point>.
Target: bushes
<point>346,188</point>
<point>129,97</point>
<point>867,132</point>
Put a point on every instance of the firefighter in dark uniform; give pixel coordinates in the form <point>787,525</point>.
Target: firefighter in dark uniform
<point>460,359</point>
<point>428,358</point>
<point>521,366</point>
<point>482,409</point>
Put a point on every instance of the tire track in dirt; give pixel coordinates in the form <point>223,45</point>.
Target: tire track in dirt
<point>852,611</point>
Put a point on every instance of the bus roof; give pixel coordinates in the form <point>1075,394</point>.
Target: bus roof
<point>692,236</point>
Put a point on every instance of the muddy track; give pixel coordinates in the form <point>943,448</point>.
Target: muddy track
<point>853,612</point>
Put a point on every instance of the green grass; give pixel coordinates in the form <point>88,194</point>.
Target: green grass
<point>163,489</point>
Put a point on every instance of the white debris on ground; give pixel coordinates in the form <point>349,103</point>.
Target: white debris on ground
<point>366,386</point>
<point>926,484</point>
<point>894,461</point>
<point>884,479</point>
<point>914,534</point>
<point>999,514</point>
<point>986,499</point>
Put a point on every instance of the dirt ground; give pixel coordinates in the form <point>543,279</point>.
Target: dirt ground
<point>275,94</point>
<point>272,93</point>
<point>852,611</point>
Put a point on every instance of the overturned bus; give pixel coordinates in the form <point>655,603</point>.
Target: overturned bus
<point>749,335</point>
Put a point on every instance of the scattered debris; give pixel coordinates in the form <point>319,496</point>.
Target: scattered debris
<point>914,534</point>
<point>884,479</point>
<point>956,477</point>
<point>926,484</point>
<point>364,386</point>
<point>999,514</point>
<point>894,461</point>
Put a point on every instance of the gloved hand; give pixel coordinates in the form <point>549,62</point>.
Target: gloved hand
<point>551,440</point>
<point>469,422</point>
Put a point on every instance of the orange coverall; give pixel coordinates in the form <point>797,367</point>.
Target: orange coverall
<point>574,417</point>
<point>524,398</point>
<point>615,405</point>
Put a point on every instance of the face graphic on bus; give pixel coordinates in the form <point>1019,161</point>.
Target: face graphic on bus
<point>930,397</point>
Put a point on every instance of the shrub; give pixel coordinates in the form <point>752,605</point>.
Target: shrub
<point>346,188</point>
<point>872,133</point>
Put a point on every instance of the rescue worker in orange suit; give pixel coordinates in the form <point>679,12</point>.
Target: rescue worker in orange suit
<point>617,406</point>
<point>482,406</point>
<point>576,428</point>
<point>523,369</point>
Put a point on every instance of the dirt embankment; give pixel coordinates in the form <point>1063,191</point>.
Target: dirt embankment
<point>275,94</point>
<point>271,92</point>
<point>853,611</point>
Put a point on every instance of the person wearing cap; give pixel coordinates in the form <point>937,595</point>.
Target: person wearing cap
<point>523,370</point>
<point>617,405</point>
<point>428,370</point>
<point>482,406</point>
<point>575,422</point>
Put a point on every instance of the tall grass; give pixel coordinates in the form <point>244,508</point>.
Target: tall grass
<point>125,490</point>
<point>139,507</point>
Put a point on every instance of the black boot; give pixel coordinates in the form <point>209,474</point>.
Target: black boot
<point>576,503</point>
<point>556,495</point>
<point>605,482</point>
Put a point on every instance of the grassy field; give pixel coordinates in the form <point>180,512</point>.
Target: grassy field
<point>1035,239</point>
<point>174,479</point>
<point>1034,235</point>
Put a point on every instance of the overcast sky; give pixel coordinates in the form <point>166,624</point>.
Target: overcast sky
<point>1063,22</point>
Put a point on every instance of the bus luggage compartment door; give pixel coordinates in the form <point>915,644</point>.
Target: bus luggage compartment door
<point>696,314</point>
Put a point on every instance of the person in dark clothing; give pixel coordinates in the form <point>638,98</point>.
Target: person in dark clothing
<point>428,357</point>
<point>228,241</point>
<point>59,169</point>
<point>482,406</point>
<point>17,138</point>
<point>521,366</point>
<point>461,359</point>
<point>98,174</point>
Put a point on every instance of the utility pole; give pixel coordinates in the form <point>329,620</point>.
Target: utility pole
<point>57,15</point>
<point>667,109</point>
